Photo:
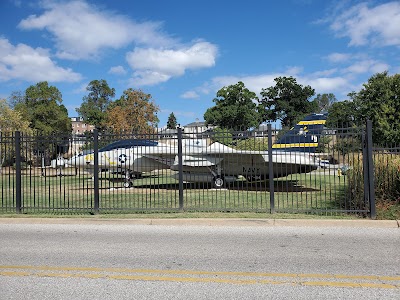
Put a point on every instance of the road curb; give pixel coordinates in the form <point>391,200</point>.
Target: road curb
<point>210,222</point>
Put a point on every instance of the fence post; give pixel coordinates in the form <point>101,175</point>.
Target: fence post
<point>96,171</point>
<point>18,194</point>
<point>370,171</point>
<point>365,167</point>
<point>180,168</point>
<point>270,171</point>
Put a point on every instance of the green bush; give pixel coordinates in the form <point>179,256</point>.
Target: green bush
<point>386,183</point>
<point>387,177</point>
<point>355,188</point>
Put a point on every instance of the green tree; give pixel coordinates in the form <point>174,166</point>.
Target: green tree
<point>379,101</point>
<point>235,108</point>
<point>347,144</point>
<point>94,106</point>
<point>222,136</point>
<point>171,123</point>
<point>287,101</point>
<point>10,121</point>
<point>15,99</point>
<point>135,112</point>
<point>342,114</point>
<point>324,102</point>
<point>41,106</point>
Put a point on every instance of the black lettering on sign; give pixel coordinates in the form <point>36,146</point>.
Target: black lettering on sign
<point>251,170</point>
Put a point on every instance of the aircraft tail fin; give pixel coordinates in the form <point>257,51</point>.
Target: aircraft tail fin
<point>304,136</point>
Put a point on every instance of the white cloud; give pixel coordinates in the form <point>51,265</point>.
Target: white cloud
<point>80,29</point>
<point>31,64</point>
<point>294,70</point>
<point>367,66</point>
<point>117,70</point>
<point>327,84</point>
<point>338,57</point>
<point>148,77</point>
<point>379,67</point>
<point>153,66</point>
<point>190,95</point>
<point>326,81</point>
<point>325,73</point>
<point>379,25</point>
<point>254,83</point>
<point>354,64</point>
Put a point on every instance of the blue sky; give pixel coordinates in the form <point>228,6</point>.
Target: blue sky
<point>183,52</point>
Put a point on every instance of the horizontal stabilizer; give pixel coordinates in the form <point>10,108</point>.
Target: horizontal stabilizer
<point>304,136</point>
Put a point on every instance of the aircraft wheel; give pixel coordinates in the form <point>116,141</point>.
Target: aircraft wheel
<point>128,184</point>
<point>219,182</point>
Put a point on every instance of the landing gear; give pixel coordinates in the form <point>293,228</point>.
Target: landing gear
<point>128,179</point>
<point>218,182</point>
<point>218,179</point>
<point>128,184</point>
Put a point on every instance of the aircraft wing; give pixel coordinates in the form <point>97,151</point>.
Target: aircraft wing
<point>218,150</point>
<point>214,154</point>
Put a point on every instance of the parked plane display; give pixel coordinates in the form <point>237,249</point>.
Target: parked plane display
<point>132,157</point>
<point>215,163</point>
<point>291,154</point>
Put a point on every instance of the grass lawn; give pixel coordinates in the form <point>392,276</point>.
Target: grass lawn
<point>319,193</point>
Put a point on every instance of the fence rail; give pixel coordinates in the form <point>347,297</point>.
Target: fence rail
<point>45,174</point>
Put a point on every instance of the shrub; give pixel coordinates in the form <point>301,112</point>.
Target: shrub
<point>386,183</point>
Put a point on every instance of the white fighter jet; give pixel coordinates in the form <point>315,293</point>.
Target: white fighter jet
<point>216,163</point>
<point>219,164</point>
<point>131,157</point>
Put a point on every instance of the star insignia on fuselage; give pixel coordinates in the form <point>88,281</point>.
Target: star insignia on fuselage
<point>122,158</point>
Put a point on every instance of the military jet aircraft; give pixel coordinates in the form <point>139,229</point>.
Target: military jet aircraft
<point>130,157</point>
<point>215,163</point>
<point>219,164</point>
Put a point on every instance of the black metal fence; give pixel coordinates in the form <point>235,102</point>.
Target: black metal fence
<point>228,171</point>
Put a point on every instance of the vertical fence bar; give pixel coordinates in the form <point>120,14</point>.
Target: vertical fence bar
<point>365,167</point>
<point>96,171</point>
<point>270,171</point>
<point>371,184</point>
<point>180,170</point>
<point>18,194</point>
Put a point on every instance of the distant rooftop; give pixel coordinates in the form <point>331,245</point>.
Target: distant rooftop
<point>196,124</point>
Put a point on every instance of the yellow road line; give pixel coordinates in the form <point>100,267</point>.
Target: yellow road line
<point>296,279</point>
<point>190,272</point>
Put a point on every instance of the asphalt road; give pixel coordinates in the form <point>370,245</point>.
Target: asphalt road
<point>198,259</point>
